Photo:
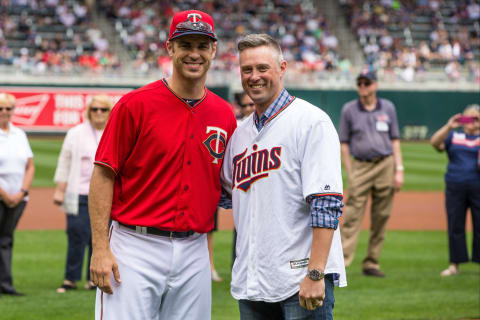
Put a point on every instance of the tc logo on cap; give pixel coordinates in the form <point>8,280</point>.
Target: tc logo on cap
<point>196,17</point>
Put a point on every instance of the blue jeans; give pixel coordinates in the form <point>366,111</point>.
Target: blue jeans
<point>79,237</point>
<point>290,308</point>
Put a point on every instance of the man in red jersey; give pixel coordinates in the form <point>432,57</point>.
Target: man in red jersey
<point>157,175</point>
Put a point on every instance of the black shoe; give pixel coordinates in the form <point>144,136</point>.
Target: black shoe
<point>373,273</point>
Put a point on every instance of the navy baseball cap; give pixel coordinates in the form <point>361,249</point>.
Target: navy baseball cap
<point>370,75</point>
<point>191,22</point>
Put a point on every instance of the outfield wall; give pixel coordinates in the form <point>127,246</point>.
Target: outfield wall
<point>420,113</point>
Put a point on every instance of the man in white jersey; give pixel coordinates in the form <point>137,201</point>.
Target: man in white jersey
<point>282,166</point>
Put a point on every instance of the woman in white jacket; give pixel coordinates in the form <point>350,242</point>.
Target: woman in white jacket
<point>74,170</point>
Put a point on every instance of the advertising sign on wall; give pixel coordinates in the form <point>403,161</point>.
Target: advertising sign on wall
<point>54,109</point>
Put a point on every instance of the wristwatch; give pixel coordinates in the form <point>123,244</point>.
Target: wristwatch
<point>25,192</point>
<point>315,274</point>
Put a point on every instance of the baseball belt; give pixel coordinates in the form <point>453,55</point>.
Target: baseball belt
<point>158,232</point>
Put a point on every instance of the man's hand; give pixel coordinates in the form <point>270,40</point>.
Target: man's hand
<point>312,293</point>
<point>103,262</point>
<point>398,180</point>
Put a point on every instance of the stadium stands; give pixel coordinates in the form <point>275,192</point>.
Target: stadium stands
<point>52,36</point>
<point>308,42</point>
<point>404,40</point>
<point>418,36</point>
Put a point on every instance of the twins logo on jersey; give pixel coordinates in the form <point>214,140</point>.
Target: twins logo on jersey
<point>216,143</point>
<point>250,168</point>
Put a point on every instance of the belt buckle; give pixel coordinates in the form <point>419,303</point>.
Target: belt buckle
<point>141,230</point>
<point>171,234</point>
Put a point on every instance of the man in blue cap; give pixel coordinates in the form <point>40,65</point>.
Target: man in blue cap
<point>370,146</point>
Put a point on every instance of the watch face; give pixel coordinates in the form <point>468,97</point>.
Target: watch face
<point>315,274</point>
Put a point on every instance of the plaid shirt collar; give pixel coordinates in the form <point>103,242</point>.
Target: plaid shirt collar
<point>283,99</point>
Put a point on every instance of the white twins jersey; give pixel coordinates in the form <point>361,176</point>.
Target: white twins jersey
<point>270,174</point>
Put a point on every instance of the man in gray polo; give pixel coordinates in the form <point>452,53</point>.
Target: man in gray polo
<point>369,132</point>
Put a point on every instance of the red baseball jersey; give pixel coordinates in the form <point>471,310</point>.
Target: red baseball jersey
<point>167,157</point>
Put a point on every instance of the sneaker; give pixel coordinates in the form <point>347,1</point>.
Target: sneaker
<point>450,271</point>
<point>373,273</point>
<point>215,276</point>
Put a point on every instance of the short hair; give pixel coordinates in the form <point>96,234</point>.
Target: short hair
<point>7,98</point>
<point>100,99</point>
<point>259,40</point>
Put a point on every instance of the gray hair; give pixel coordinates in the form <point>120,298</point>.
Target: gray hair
<point>472,108</point>
<point>7,98</point>
<point>258,40</point>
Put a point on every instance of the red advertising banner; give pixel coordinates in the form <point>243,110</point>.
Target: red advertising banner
<point>54,109</point>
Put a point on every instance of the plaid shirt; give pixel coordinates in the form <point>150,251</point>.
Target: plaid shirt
<point>278,104</point>
<point>324,210</point>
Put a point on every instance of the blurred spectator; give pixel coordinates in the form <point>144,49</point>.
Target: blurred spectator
<point>462,183</point>
<point>74,170</point>
<point>16,175</point>
<point>452,69</point>
<point>376,169</point>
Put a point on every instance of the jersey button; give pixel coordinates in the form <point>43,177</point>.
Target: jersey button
<point>185,188</point>
<point>191,136</point>
<point>181,214</point>
<point>188,162</point>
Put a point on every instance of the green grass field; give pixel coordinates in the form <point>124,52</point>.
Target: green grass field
<point>424,167</point>
<point>413,288</point>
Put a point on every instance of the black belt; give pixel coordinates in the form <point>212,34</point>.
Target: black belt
<point>158,232</point>
<point>373,160</point>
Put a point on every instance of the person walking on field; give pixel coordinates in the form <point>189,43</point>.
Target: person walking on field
<point>460,137</point>
<point>157,175</point>
<point>369,132</point>
<point>283,169</point>
<point>74,170</point>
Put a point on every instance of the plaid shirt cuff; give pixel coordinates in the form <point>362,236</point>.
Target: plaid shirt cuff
<point>325,211</point>
<point>225,201</point>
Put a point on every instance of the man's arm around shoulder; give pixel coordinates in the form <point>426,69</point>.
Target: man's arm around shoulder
<point>103,261</point>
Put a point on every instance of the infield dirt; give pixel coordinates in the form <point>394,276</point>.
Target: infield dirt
<point>411,211</point>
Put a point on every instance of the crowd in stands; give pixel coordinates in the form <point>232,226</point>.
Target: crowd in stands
<point>401,38</point>
<point>415,36</point>
<point>306,38</point>
<point>52,36</point>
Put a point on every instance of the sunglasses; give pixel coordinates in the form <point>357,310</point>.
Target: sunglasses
<point>247,105</point>
<point>6,108</point>
<point>197,26</point>
<point>103,110</point>
<point>363,83</point>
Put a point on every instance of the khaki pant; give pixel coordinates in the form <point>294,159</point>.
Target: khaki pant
<point>375,179</point>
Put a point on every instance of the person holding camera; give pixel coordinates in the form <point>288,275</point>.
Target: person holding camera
<point>462,182</point>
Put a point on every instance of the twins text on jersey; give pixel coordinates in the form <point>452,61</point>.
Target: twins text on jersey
<point>252,167</point>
